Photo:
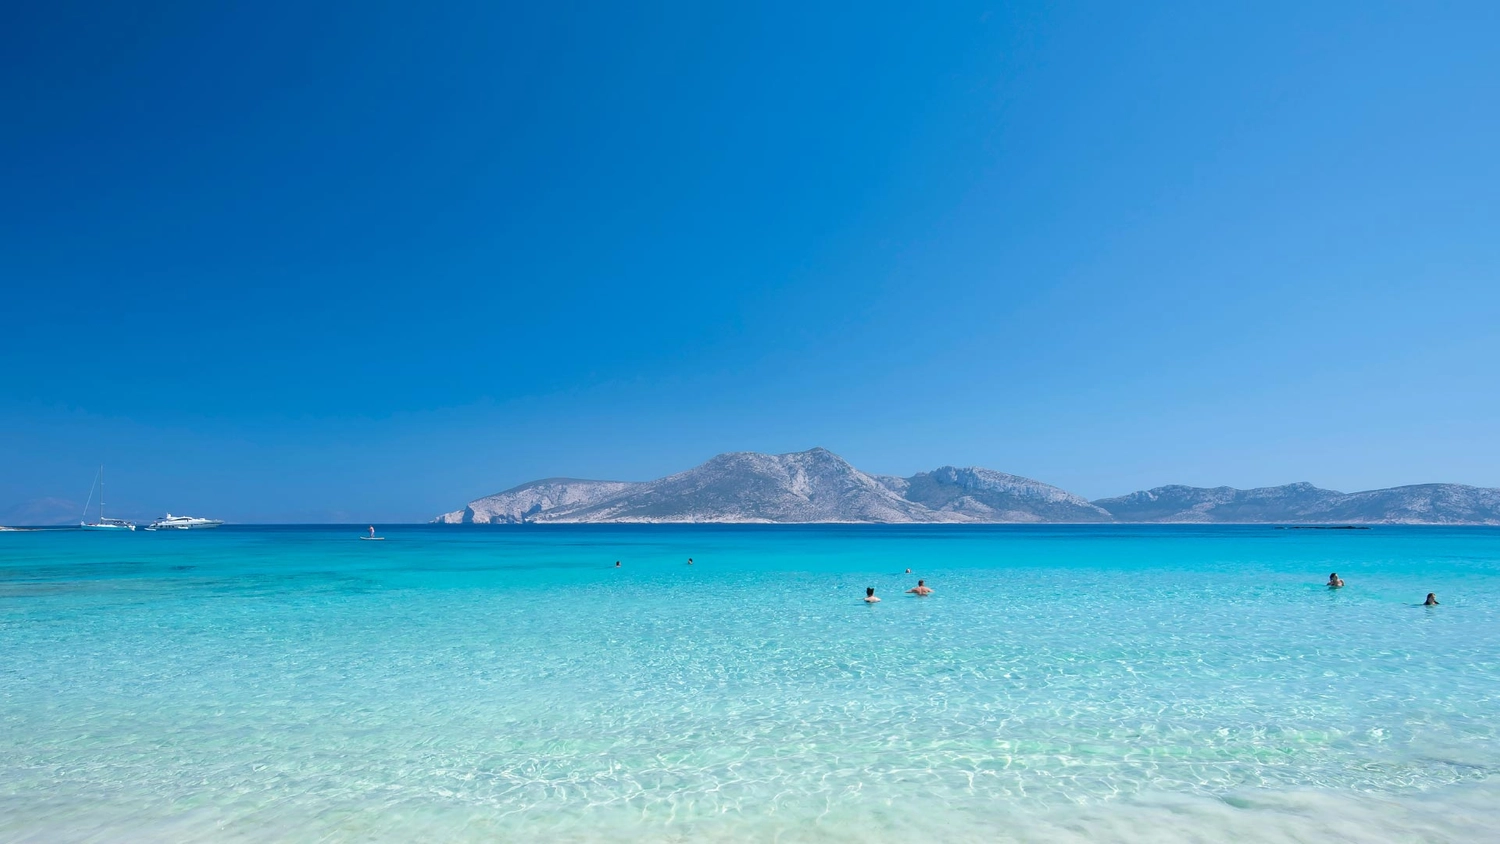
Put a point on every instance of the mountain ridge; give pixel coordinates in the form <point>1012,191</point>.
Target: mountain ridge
<point>819,487</point>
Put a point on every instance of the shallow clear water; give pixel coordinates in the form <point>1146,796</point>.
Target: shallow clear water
<point>1063,683</point>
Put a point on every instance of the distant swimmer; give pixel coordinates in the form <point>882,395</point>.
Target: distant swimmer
<point>870,595</point>
<point>617,563</point>
<point>908,571</point>
<point>920,589</point>
<point>1431,601</point>
<point>1334,581</point>
<point>690,560</point>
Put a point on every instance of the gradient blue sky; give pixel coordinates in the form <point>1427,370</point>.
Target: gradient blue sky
<point>347,261</point>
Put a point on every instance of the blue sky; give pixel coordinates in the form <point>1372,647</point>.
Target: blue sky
<point>288,263</point>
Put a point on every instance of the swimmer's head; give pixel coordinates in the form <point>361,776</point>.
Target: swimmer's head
<point>869,591</point>
<point>921,583</point>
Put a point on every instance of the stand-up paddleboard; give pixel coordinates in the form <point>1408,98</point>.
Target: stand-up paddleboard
<point>372,538</point>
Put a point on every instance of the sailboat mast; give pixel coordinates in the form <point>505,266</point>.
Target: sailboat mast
<point>101,493</point>
<point>85,517</point>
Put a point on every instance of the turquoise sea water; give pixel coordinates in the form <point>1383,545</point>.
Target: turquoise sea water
<point>1063,683</point>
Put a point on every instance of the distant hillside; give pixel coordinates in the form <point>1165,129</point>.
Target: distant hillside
<point>802,487</point>
<point>42,512</point>
<point>527,501</point>
<point>984,495</point>
<point>807,486</point>
<point>1217,504</point>
<point>1443,504</point>
<point>1451,504</point>
<point>819,486</point>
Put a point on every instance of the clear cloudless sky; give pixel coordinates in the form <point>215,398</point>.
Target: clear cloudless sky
<point>364,262</point>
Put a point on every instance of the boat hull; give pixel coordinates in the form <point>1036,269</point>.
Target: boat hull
<point>203,524</point>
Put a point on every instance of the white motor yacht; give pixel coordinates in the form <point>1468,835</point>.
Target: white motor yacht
<point>171,522</point>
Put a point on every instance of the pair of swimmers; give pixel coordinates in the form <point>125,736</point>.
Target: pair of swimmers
<point>1336,582</point>
<point>920,590</point>
<point>617,562</point>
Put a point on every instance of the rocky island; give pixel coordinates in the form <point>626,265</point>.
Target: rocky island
<point>818,486</point>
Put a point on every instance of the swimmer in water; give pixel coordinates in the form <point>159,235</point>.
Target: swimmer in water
<point>1431,601</point>
<point>1334,581</point>
<point>920,589</point>
<point>690,560</point>
<point>908,571</point>
<point>870,595</point>
<point>617,563</point>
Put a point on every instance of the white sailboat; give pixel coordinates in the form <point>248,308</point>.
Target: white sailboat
<point>102,523</point>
